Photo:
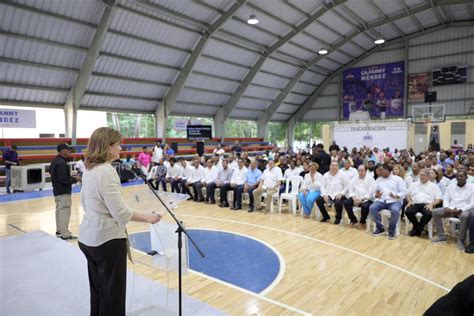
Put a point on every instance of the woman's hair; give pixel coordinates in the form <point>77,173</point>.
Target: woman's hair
<point>98,146</point>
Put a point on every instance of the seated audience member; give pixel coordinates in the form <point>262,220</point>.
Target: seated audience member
<point>423,196</point>
<point>144,159</point>
<point>168,151</point>
<point>186,170</point>
<point>252,181</point>
<point>233,162</point>
<point>413,176</point>
<point>371,168</point>
<point>470,247</point>
<point>237,182</point>
<point>270,184</point>
<point>290,172</point>
<point>209,181</point>
<point>159,177</point>
<point>470,174</point>
<point>433,175</point>
<point>194,180</point>
<point>442,180</point>
<point>398,171</point>
<point>311,189</point>
<point>458,201</point>
<point>236,148</point>
<point>449,171</point>
<point>348,171</point>
<point>173,175</point>
<point>333,190</point>
<point>361,190</point>
<point>305,170</point>
<point>390,191</point>
<point>219,151</point>
<point>224,175</point>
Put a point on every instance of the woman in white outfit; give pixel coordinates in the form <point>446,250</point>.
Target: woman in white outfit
<point>103,236</point>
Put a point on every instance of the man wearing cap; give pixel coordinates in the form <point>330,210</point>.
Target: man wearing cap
<point>62,183</point>
<point>10,158</point>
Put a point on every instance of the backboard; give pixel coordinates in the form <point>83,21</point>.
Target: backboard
<point>428,113</point>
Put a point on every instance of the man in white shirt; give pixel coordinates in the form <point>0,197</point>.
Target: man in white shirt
<point>390,191</point>
<point>80,166</point>
<point>209,181</point>
<point>186,171</point>
<point>219,150</point>
<point>269,183</point>
<point>348,171</point>
<point>173,175</point>
<point>194,180</point>
<point>361,190</point>
<point>333,191</point>
<point>458,201</point>
<point>413,176</point>
<point>223,182</point>
<point>239,176</point>
<point>157,153</point>
<point>423,196</point>
<point>290,172</point>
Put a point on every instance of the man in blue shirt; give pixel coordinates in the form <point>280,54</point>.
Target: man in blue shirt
<point>251,183</point>
<point>10,158</point>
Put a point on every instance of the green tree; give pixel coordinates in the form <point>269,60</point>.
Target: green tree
<point>240,128</point>
<point>276,133</point>
<point>132,125</point>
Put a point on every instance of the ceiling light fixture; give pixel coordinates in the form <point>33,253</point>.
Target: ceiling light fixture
<point>379,41</point>
<point>323,51</point>
<point>252,19</point>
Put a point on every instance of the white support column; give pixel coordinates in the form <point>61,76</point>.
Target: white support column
<point>219,124</point>
<point>290,132</point>
<point>70,118</point>
<point>262,128</point>
<point>160,121</point>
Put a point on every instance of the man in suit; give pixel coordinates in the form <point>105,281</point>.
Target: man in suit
<point>322,158</point>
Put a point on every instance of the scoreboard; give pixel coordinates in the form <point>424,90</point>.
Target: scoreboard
<point>449,75</point>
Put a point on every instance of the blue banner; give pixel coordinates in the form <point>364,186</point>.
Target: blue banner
<point>374,89</point>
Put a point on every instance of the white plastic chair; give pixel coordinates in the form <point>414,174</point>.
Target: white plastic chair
<point>291,196</point>
<point>274,197</point>
<point>386,215</point>
<point>418,217</point>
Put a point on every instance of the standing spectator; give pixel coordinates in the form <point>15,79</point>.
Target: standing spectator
<point>62,183</point>
<point>252,180</point>
<point>334,146</point>
<point>311,189</point>
<point>157,153</point>
<point>269,183</point>
<point>173,175</point>
<point>169,152</point>
<point>237,183</point>
<point>333,191</point>
<point>219,150</point>
<point>390,191</point>
<point>458,201</point>
<point>144,159</point>
<point>80,166</point>
<point>236,148</point>
<point>361,190</point>
<point>224,177</point>
<point>322,158</point>
<point>423,196</point>
<point>10,158</point>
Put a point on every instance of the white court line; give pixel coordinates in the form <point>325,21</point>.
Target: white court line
<point>259,296</point>
<point>282,270</point>
<point>329,244</point>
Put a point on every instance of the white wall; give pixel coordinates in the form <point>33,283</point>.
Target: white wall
<point>450,46</point>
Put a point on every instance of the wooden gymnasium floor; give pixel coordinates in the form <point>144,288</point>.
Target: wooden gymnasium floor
<point>330,270</point>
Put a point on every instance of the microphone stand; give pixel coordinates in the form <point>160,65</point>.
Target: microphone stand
<point>180,230</point>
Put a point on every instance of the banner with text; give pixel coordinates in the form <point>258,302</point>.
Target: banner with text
<point>375,89</point>
<point>13,118</point>
<point>181,124</point>
<point>381,135</point>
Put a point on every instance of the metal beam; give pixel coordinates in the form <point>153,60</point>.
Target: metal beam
<point>348,38</point>
<point>234,99</point>
<point>170,99</point>
<point>296,117</point>
<point>77,91</point>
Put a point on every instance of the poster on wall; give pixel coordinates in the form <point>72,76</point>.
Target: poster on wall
<point>374,89</point>
<point>181,124</point>
<point>13,118</point>
<point>417,85</point>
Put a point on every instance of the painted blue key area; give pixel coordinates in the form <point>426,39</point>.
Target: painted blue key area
<point>19,196</point>
<point>231,258</point>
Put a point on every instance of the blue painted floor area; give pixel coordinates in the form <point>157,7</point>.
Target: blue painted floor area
<point>231,258</point>
<point>19,196</point>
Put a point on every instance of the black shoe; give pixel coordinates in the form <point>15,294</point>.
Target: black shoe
<point>237,208</point>
<point>58,234</point>
<point>325,219</point>
<point>224,205</point>
<point>413,233</point>
<point>337,221</point>
<point>251,210</point>
<point>378,232</point>
<point>470,248</point>
<point>68,238</point>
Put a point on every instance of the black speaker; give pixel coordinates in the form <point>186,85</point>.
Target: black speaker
<point>174,146</point>
<point>430,96</point>
<point>200,148</point>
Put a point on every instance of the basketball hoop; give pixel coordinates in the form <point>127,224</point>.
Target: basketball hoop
<point>428,120</point>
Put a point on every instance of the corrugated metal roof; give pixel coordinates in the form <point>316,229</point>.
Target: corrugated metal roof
<point>193,109</point>
<point>304,88</point>
<point>189,8</point>
<point>267,22</point>
<point>250,32</point>
<point>297,52</point>
<point>270,80</point>
<point>306,6</point>
<point>321,32</point>
<point>363,9</point>
<point>97,101</point>
<point>130,88</point>
<point>202,97</point>
<point>36,76</point>
<point>215,67</point>
<point>253,104</point>
<point>281,117</point>
<point>279,68</point>
<point>261,92</point>
<point>200,81</point>
<point>334,21</point>
<point>10,93</point>
<point>245,114</point>
<point>389,7</point>
<point>281,9</point>
<point>228,52</point>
